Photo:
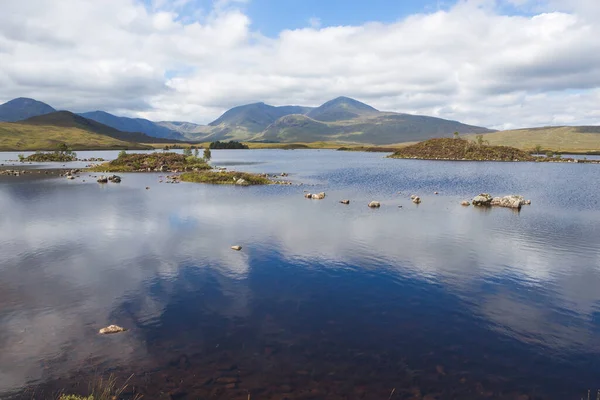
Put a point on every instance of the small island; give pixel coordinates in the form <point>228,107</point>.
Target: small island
<point>153,162</point>
<point>458,149</point>
<point>63,153</point>
<point>231,145</point>
<point>192,168</point>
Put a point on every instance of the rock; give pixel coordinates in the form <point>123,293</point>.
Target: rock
<point>484,199</point>
<point>512,201</point>
<point>345,201</point>
<point>412,196</point>
<point>416,200</point>
<point>111,329</point>
<point>147,187</point>
<point>465,203</point>
<point>435,193</point>
<point>374,204</point>
<point>236,248</point>
<point>527,202</point>
<point>318,196</point>
<point>241,182</point>
<point>102,179</point>
<point>70,177</point>
<point>114,178</point>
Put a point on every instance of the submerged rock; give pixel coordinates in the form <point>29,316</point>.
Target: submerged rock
<point>512,201</point>
<point>111,329</point>
<point>374,204</point>
<point>345,201</point>
<point>236,248</point>
<point>484,199</point>
<point>465,203</point>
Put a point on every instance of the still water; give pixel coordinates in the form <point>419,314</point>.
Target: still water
<point>435,301</point>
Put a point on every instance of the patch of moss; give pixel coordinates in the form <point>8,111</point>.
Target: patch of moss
<point>163,162</point>
<point>224,177</point>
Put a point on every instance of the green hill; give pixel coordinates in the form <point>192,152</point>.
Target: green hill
<point>27,137</point>
<point>576,139</point>
<point>67,119</point>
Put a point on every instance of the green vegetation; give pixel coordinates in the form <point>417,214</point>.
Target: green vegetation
<point>461,149</point>
<point>163,162</point>
<point>231,145</point>
<point>207,154</point>
<point>224,177</point>
<point>63,153</point>
<point>23,137</point>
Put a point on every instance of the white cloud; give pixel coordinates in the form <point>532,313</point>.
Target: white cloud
<point>469,62</point>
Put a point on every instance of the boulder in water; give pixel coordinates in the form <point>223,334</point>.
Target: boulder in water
<point>416,200</point>
<point>102,179</point>
<point>236,248</point>
<point>512,201</point>
<point>111,329</point>
<point>484,199</point>
<point>465,203</point>
<point>374,204</point>
<point>345,201</point>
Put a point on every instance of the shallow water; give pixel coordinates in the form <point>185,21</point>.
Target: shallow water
<point>325,300</point>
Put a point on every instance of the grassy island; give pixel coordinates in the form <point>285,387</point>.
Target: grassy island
<point>460,149</point>
<point>225,178</point>
<point>63,153</point>
<point>161,162</point>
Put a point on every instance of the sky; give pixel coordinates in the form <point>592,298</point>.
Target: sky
<point>497,63</point>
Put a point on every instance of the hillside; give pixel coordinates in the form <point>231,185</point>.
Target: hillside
<point>23,108</point>
<point>66,119</point>
<point>25,137</point>
<point>184,128</point>
<point>559,138</point>
<point>125,124</point>
<point>252,118</point>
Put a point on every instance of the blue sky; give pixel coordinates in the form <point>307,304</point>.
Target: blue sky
<point>272,16</point>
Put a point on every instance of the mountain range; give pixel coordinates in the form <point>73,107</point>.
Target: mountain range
<point>340,120</point>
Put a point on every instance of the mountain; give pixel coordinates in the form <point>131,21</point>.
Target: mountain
<point>253,118</point>
<point>184,128</point>
<point>133,125</point>
<point>340,109</point>
<point>67,119</point>
<point>22,108</point>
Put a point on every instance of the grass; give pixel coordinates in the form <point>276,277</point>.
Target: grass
<point>102,389</point>
<point>460,149</point>
<point>22,137</point>
<point>159,161</point>
<point>562,139</point>
<point>223,178</point>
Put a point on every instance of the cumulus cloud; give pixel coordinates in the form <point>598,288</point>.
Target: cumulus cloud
<point>174,60</point>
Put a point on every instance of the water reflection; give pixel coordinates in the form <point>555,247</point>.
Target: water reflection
<point>324,297</point>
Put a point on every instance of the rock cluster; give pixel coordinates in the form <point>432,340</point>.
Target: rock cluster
<point>511,201</point>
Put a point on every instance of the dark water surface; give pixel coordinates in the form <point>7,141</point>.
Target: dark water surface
<point>435,301</point>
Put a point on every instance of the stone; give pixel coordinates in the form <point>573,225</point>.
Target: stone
<point>236,248</point>
<point>111,329</point>
<point>465,203</point>
<point>374,204</point>
<point>318,196</point>
<point>70,177</point>
<point>241,182</point>
<point>512,201</point>
<point>308,195</point>
<point>527,202</point>
<point>416,200</point>
<point>102,179</point>
<point>147,187</point>
<point>345,201</point>
<point>435,193</point>
<point>483,199</point>
<point>114,178</point>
